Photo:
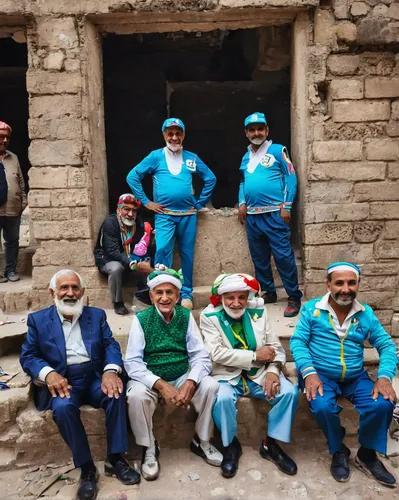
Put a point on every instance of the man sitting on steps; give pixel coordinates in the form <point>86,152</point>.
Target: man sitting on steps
<point>328,349</point>
<point>166,359</point>
<point>247,360</point>
<point>73,359</point>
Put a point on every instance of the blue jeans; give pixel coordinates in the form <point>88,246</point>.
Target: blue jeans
<point>374,415</point>
<point>10,227</point>
<point>268,234</point>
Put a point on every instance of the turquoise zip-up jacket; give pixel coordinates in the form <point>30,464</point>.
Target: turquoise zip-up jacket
<point>317,348</point>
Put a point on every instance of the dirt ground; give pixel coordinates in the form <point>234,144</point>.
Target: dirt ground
<point>185,476</point>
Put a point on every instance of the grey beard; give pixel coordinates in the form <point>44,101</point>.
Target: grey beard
<point>257,142</point>
<point>128,222</point>
<point>343,302</point>
<point>68,309</point>
<point>173,147</point>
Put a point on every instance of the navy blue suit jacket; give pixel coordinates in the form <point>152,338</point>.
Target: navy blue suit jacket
<point>45,346</point>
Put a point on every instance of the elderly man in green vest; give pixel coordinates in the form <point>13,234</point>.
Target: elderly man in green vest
<point>166,359</point>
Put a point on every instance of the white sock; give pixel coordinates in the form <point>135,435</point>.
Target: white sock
<point>151,448</point>
<point>204,444</point>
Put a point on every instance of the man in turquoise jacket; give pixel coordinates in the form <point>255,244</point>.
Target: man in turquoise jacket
<point>328,349</point>
<point>174,204</point>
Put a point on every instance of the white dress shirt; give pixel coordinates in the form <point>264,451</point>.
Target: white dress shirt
<point>76,352</point>
<point>198,357</point>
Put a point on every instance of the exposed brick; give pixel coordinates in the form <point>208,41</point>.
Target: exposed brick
<point>387,249</point>
<point>343,64</point>
<point>41,276</point>
<point>322,255</point>
<point>48,178</point>
<point>391,230</point>
<point>377,299</point>
<point>73,229</point>
<point>395,325</point>
<point>57,33</point>
<point>80,213</point>
<point>54,61</point>
<point>395,110</point>
<point>339,212</point>
<point>317,234</point>
<point>380,268</point>
<point>384,316</point>
<point>69,197</point>
<point>371,283</point>
<point>383,149</point>
<point>393,128</point>
<point>341,8</point>
<point>346,31</point>
<point>313,290</point>
<point>367,232</point>
<point>337,150</point>
<point>382,87</point>
<point>315,276</point>
<point>324,27</point>
<point>45,214</point>
<point>39,198</point>
<point>393,11</point>
<point>65,128</point>
<point>346,89</point>
<point>330,192</point>
<point>359,9</point>
<point>317,57</point>
<point>55,106</point>
<point>72,65</point>
<point>361,111</point>
<point>348,171</point>
<point>45,82</point>
<point>77,178</point>
<point>62,152</point>
<point>384,210</point>
<point>393,170</point>
<point>64,253</point>
<point>374,191</point>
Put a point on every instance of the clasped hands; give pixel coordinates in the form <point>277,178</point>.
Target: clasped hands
<point>58,385</point>
<point>174,396</point>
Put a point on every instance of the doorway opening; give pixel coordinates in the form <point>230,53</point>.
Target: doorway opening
<point>211,80</point>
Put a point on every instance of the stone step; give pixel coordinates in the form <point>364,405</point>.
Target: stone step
<point>25,257</point>
<point>12,335</point>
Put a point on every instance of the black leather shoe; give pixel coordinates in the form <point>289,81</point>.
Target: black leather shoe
<point>88,485</point>
<point>143,296</point>
<point>340,465</point>
<point>275,454</point>
<point>119,308</point>
<point>231,458</point>
<point>122,471</point>
<point>377,471</point>
<point>269,297</point>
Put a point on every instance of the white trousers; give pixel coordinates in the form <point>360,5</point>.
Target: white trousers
<point>143,401</point>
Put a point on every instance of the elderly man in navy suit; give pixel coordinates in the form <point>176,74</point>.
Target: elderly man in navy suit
<point>73,359</point>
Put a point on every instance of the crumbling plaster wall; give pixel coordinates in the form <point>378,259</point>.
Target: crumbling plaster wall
<point>344,127</point>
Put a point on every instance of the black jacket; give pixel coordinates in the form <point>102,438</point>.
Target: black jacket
<point>109,242</point>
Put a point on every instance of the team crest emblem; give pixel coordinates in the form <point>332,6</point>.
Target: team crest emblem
<point>267,161</point>
<point>190,164</point>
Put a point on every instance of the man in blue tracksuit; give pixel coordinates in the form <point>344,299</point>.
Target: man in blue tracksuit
<point>174,204</point>
<point>267,191</point>
<point>328,349</point>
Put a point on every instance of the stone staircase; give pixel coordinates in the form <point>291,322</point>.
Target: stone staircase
<point>29,437</point>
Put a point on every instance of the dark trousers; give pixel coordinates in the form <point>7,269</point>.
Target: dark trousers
<point>268,234</point>
<point>374,415</point>
<point>9,225</point>
<point>86,389</point>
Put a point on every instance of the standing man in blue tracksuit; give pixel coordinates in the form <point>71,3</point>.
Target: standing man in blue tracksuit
<point>174,204</point>
<point>267,191</point>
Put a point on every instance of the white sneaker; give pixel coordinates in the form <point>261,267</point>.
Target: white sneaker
<point>187,303</point>
<point>210,454</point>
<point>150,466</point>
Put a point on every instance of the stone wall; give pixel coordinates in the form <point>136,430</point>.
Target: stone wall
<point>351,201</point>
<point>345,125</point>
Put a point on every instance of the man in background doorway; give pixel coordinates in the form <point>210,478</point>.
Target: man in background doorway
<point>12,204</point>
<point>174,204</point>
<point>267,191</point>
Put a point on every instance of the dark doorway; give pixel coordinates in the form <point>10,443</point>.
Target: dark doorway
<point>14,102</point>
<point>212,81</point>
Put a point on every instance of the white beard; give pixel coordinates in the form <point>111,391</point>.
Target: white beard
<point>173,147</point>
<point>128,222</point>
<point>67,309</point>
<point>233,313</point>
<point>257,142</point>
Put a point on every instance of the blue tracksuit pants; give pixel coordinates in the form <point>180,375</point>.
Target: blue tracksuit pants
<point>86,389</point>
<point>268,234</point>
<point>280,417</point>
<point>374,415</point>
<point>184,228</point>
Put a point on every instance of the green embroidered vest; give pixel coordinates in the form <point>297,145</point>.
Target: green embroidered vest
<point>165,351</point>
